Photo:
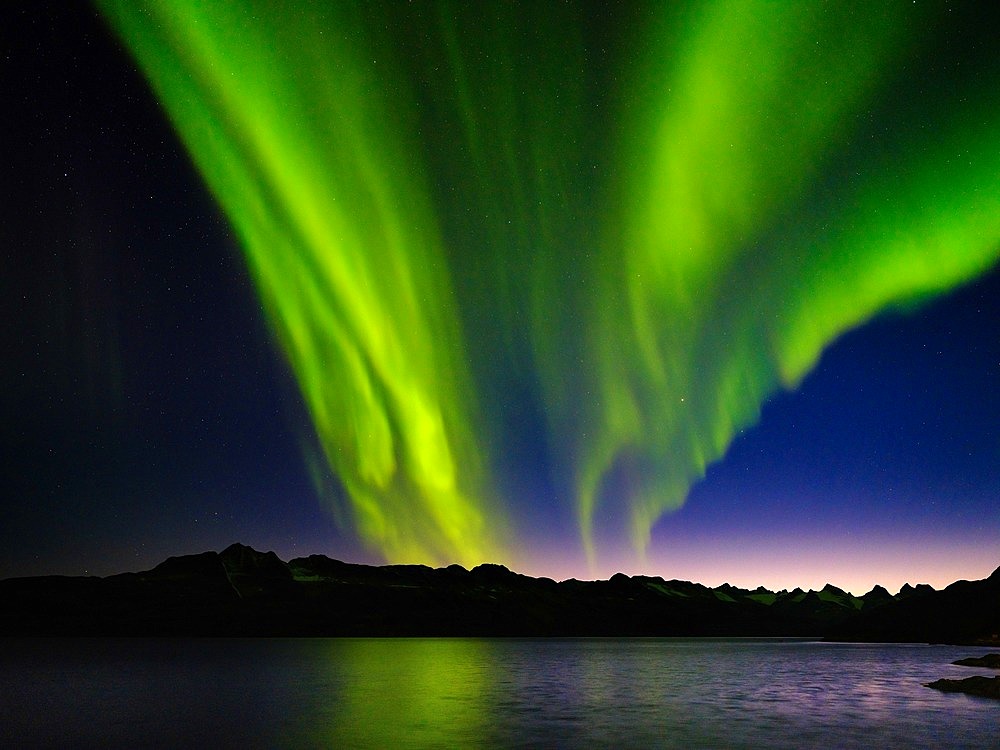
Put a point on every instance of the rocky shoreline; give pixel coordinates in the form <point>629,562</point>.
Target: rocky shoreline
<point>978,685</point>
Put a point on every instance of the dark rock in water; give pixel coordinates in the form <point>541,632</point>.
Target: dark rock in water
<point>984,687</point>
<point>991,661</point>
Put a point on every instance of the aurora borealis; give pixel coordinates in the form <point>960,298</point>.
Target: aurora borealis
<point>534,267</point>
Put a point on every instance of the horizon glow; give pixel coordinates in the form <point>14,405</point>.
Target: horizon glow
<point>439,203</point>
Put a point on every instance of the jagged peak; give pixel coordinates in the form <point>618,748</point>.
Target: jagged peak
<point>877,591</point>
<point>920,588</point>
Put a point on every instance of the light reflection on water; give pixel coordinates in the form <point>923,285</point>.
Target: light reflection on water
<point>467,693</point>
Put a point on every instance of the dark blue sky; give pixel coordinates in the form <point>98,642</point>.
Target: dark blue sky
<point>884,463</point>
<point>146,411</point>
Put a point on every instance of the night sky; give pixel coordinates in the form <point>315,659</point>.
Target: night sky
<point>439,284</point>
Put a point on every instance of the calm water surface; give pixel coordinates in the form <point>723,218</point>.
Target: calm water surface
<point>457,693</point>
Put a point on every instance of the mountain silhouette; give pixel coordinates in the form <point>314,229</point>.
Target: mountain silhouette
<point>243,592</point>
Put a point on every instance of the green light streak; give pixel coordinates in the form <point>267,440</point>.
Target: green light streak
<point>736,277</point>
<point>443,204</point>
<point>294,133</point>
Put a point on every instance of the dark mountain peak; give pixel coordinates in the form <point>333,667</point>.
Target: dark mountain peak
<point>491,572</point>
<point>919,590</point>
<point>831,589</point>
<point>241,560</point>
<point>877,597</point>
<point>244,553</point>
<point>622,583</point>
<point>878,593</point>
<point>995,576</point>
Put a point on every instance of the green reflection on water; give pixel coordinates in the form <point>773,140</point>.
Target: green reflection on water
<point>406,693</point>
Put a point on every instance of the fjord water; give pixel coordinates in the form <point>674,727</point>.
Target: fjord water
<point>458,693</point>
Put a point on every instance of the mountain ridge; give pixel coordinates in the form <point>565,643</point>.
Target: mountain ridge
<point>241,591</point>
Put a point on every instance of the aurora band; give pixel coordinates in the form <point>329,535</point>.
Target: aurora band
<point>417,193</point>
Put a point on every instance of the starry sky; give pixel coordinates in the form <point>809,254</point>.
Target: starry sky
<point>709,293</point>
